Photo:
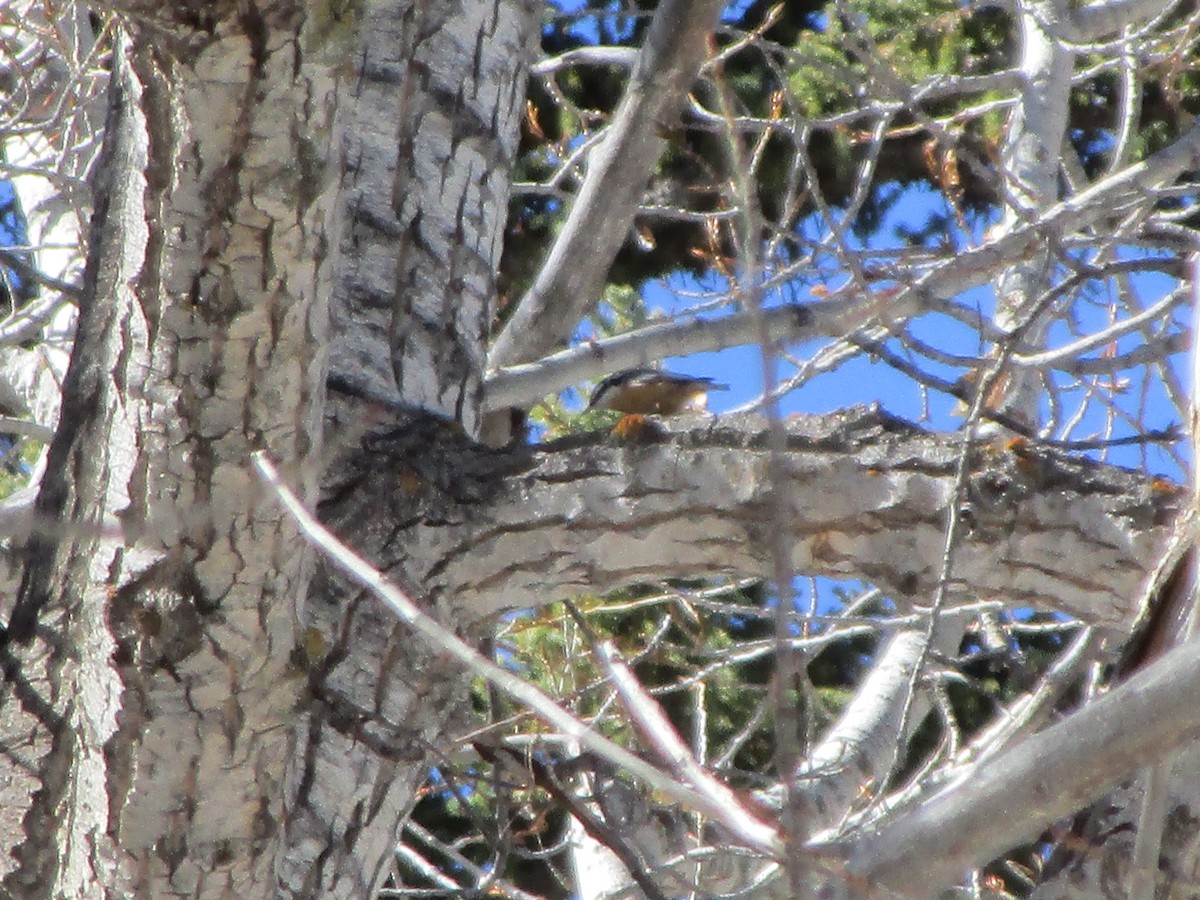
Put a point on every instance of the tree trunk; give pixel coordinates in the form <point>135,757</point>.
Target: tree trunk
<point>166,676</point>
<point>425,205</point>
<point>191,706</point>
<point>148,659</point>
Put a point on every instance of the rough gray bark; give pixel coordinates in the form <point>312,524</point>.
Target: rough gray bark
<point>429,123</point>
<point>148,676</point>
<point>74,646</point>
<point>593,513</point>
<point>219,219</point>
<point>182,714</point>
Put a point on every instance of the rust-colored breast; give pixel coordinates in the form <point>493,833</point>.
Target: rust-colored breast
<point>657,399</point>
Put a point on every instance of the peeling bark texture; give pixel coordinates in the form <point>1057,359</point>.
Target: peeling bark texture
<point>148,682</point>
<point>431,133</point>
<point>488,530</point>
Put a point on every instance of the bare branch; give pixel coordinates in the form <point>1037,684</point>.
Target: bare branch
<point>1104,17</point>
<point>1035,783</point>
<point>588,56</point>
<point>653,724</point>
<point>759,836</point>
<point>527,383</point>
<point>571,277</point>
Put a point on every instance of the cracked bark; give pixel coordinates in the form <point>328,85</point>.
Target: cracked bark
<point>147,660</point>
<point>430,129</point>
<point>481,530</point>
<point>486,530</point>
<point>174,594</point>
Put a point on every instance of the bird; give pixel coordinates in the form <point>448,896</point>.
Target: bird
<point>648,392</point>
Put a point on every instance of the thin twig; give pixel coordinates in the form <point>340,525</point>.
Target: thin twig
<point>753,833</point>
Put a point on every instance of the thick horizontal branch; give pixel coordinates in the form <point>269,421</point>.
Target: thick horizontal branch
<point>486,530</point>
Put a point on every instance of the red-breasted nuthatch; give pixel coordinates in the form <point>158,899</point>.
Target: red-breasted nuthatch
<point>648,392</point>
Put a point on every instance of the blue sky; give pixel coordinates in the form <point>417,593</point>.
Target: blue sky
<point>865,381</point>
